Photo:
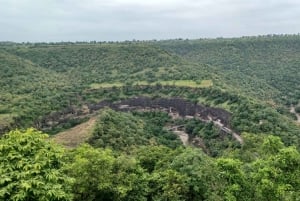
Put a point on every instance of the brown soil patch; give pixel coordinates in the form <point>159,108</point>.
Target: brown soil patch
<point>184,137</point>
<point>72,137</point>
<point>292,110</point>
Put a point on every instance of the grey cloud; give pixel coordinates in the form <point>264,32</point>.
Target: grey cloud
<point>75,20</point>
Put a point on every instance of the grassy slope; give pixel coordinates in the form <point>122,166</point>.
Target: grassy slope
<point>74,136</point>
<point>178,83</point>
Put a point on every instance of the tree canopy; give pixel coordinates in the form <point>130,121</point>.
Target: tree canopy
<point>31,168</point>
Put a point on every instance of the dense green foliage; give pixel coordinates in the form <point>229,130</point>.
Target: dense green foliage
<point>155,121</point>
<point>297,109</point>
<point>35,169</point>
<point>266,67</point>
<point>64,74</point>
<point>90,64</point>
<point>25,88</point>
<point>133,155</point>
<point>123,131</point>
<point>117,130</point>
<point>213,141</point>
<point>248,115</point>
<point>31,168</point>
<point>100,175</point>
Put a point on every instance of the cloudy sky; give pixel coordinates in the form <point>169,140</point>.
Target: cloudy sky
<point>118,20</point>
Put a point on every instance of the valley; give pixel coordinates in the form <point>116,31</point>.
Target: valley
<point>182,120</point>
<point>175,107</point>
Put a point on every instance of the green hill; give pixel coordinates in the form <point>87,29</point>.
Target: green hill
<point>126,63</point>
<point>60,74</point>
<point>27,90</point>
<point>266,67</point>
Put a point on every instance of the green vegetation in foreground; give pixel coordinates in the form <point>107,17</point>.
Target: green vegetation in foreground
<point>34,168</point>
<point>178,83</point>
<point>31,168</point>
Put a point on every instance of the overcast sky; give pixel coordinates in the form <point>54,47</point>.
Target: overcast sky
<point>118,20</point>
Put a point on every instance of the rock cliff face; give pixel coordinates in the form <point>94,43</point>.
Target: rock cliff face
<point>178,106</point>
<point>175,105</point>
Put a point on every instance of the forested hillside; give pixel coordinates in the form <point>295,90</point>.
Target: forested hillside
<point>25,88</point>
<point>266,67</point>
<point>207,119</point>
<point>98,63</point>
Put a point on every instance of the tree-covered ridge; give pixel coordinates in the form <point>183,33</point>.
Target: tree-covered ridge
<point>25,88</point>
<point>266,66</point>
<point>113,62</point>
<point>60,74</point>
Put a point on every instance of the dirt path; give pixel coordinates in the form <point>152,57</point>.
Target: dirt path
<point>238,137</point>
<point>184,137</point>
<point>76,135</point>
<point>292,110</point>
<point>227,130</point>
